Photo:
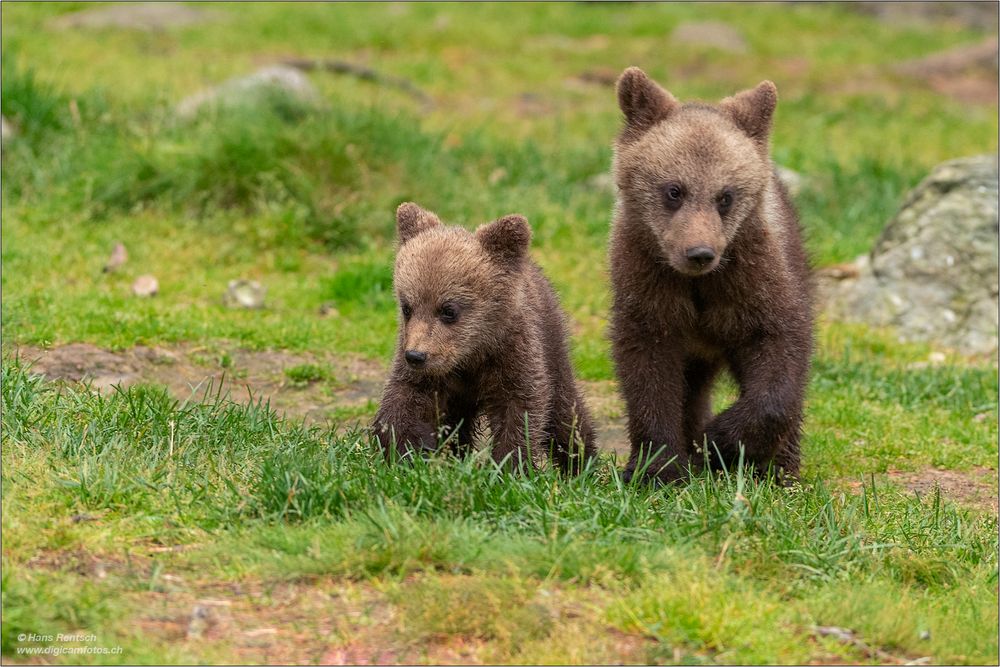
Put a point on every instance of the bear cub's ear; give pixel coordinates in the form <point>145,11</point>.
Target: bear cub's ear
<point>506,239</point>
<point>411,220</point>
<point>642,100</point>
<point>753,109</point>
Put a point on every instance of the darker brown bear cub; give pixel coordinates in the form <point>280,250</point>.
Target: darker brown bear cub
<point>480,332</point>
<point>708,272</point>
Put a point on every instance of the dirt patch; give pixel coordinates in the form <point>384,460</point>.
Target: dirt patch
<point>942,15</point>
<point>346,393</point>
<point>974,488</point>
<point>139,16</point>
<point>260,622</point>
<point>329,620</point>
<point>710,34</point>
<point>599,76</point>
<point>608,410</point>
<point>966,73</point>
<point>301,385</point>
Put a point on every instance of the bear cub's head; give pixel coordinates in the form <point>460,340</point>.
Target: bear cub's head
<point>455,289</point>
<point>693,173</point>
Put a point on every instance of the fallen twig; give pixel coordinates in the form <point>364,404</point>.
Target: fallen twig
<point>847,636</point>
<point>360,72</point>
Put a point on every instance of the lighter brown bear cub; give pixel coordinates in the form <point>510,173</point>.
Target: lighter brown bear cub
<point>708,272</point>
<point>480,332</point>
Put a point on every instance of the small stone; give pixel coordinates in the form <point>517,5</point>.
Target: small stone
<point>792,180</point>
<point>145,285</point>
<point>199,621</point>
<point>118,257</point>
<point>496,176</point>
<point>603,182</point>
<point>207,615</point>
<point>6,130</point>
<point>244,294</point>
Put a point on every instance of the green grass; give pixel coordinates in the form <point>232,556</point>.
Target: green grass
<point>307,373</point>
<point>266,499</point>
<point>121,511</point>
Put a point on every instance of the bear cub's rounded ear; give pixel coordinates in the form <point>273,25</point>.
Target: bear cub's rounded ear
<point>506,239</point>
<point>412,220</point>
<point>753,109</point>
<point>643,101</point>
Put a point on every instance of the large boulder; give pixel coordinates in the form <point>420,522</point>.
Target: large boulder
<point>272,80</point>
<point>932,274</point>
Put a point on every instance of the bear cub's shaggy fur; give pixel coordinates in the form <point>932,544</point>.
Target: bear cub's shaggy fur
<point>480,332</point>
<point>708,272</point>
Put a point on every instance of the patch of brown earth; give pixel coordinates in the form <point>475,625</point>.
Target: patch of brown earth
<point>974,488</point>
<point>608,410</point>
<point>968,15</point>
<point>138,16</point>
<point>322,620</point>
<point>966,73</point>
<point>350,394</point>
<point>190,371</point>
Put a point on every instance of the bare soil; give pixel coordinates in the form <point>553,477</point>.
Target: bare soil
<point>974,488</point>
<point>316,620</point>
<point>149,16</point>
<point>348,396</point>
<point>353,388</point>
<point>966,73</point>
<point>188,370</point>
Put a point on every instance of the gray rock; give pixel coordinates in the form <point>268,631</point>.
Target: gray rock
<point>244,294</point>
<point>792,180</point>
<point>119,255</point>
<point>146,285</point>
<point>933,272</point>
<point>273,79</point>
<point>139,16</point>
<point>6,130</point>
<point>603,182</point>
<point>711,34</point>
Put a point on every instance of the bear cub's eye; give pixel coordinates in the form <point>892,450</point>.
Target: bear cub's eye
<point>407,311</point>
<point>673,195</point>
<point>448,313</point>
<point>725,201</point>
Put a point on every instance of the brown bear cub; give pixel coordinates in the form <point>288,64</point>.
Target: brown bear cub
<point>480,333</point>
<point>708,272</point>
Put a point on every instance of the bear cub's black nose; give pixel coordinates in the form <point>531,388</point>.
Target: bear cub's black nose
<point>700,254</point>
<point>415,358</point>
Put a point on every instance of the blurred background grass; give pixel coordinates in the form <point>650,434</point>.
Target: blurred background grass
<point>521,119</point>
